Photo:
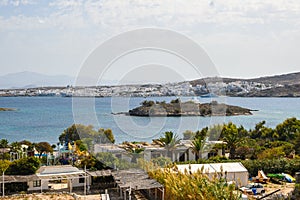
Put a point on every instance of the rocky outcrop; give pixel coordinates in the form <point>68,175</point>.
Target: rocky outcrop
<point>189,108</point>
<point>7,109</point>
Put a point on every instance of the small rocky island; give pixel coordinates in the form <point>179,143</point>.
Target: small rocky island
<point>7,109</point>
<point>188,108</point>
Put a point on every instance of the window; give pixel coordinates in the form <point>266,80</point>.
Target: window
<point>37,183</point>
<point>81,179</point>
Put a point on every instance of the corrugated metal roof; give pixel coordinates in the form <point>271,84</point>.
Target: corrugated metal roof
<point>19,178</point>
<point>99,173</point>
<point>55,170</point>
<point>135,179</point>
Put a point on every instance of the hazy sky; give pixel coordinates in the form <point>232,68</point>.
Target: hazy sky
<point>244,38</point>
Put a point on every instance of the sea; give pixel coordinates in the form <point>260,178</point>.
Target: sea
<point>44,118</point>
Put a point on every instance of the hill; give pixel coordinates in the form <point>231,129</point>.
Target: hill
<point>32,79</point>
<point>285,85</point>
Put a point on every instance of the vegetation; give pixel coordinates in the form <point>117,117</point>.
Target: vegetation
<point>188,108</point>
<point>273,150</point>
<point>23,166</point>
<point>169,142</point>
<point>78,131</point>
<point>184,186</point>
<point>43,147</point>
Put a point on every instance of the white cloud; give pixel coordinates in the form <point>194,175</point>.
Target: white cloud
<point>77,25</point>
<point>16,2</point>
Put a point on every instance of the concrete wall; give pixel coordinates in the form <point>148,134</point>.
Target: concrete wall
<point>44,185</point>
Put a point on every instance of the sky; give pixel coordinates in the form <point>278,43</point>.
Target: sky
<point>243,38</point>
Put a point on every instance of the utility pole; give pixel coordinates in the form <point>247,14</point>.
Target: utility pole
<point>84,180</point>
<point>3,183</point>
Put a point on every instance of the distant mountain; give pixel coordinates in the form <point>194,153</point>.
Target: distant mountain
<point>28,79</point>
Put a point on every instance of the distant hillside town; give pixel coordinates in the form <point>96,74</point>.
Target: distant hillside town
<point>275,86</point>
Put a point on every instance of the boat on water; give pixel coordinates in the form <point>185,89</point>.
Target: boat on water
<point>209,95</point>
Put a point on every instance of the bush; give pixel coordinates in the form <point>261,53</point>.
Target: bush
<point>283,165</point>
<point>24,166</point>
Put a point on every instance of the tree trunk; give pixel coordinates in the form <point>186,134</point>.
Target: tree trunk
<point>232,153</point>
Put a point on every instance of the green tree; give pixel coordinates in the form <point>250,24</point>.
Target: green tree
<point>276,152</point>
<point>3,143</point>
<point>288,130</point>
<point>105,136</point>
<point>297,144</point>
<point>214,132</point>
<point>108,159</point>
<point>262,132</point>
<point>4,165</point>
<point>148,103</point>
<point>81,145</point>
<point>71,133</point>
<point>43,147</point>
<point>135,153</point>
<point>231,135</point>
<point>169,142</point>
<point>16,146</point>
<point>188,135</point>
<point>197,147</point>
<point>24,166</point>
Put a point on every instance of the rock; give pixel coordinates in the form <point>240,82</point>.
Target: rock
<point>190,108</point>
<point>7,109</point>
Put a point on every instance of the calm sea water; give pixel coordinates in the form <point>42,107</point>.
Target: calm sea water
<point>45,118</point>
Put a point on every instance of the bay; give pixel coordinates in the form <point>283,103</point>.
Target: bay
<point>44,118</point>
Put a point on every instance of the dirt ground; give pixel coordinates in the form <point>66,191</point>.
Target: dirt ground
<point>40,197</point>
<point>285,189</point>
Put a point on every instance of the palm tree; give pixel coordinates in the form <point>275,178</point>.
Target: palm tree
<point>3,143</point>
<point>230,135</point>
<point>169,142</point>
<point>197,147</point>
<point>136,153</point>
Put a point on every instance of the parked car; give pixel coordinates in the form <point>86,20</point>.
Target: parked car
<point>255,188</point>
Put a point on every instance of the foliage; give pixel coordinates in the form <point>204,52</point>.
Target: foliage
<point>79,131</point>
<point>183,186</point>
<point>23,166</point>
<point>175,101</point>
<point>148,103</point>
<point>4,143</point>
<point>43,147</point>
<point>214,132</point>
<point>297,144</point>
<point>90,162</point>
<point>4,164</point>
<point>169,141</point>
<point>232,136</point>
<point>288,130</point>
<point>81,145</point>
<point>109,135</point>
<point>111,161</point>
<point>276,152</point>
<point>197,146</point>
<point>135,153</point>
<point>188,135</point>
<point>161,161</point>
<point>282,165</point>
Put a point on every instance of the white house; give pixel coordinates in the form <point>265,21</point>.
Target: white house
<point>67,175</point>
<point>182,152</point>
